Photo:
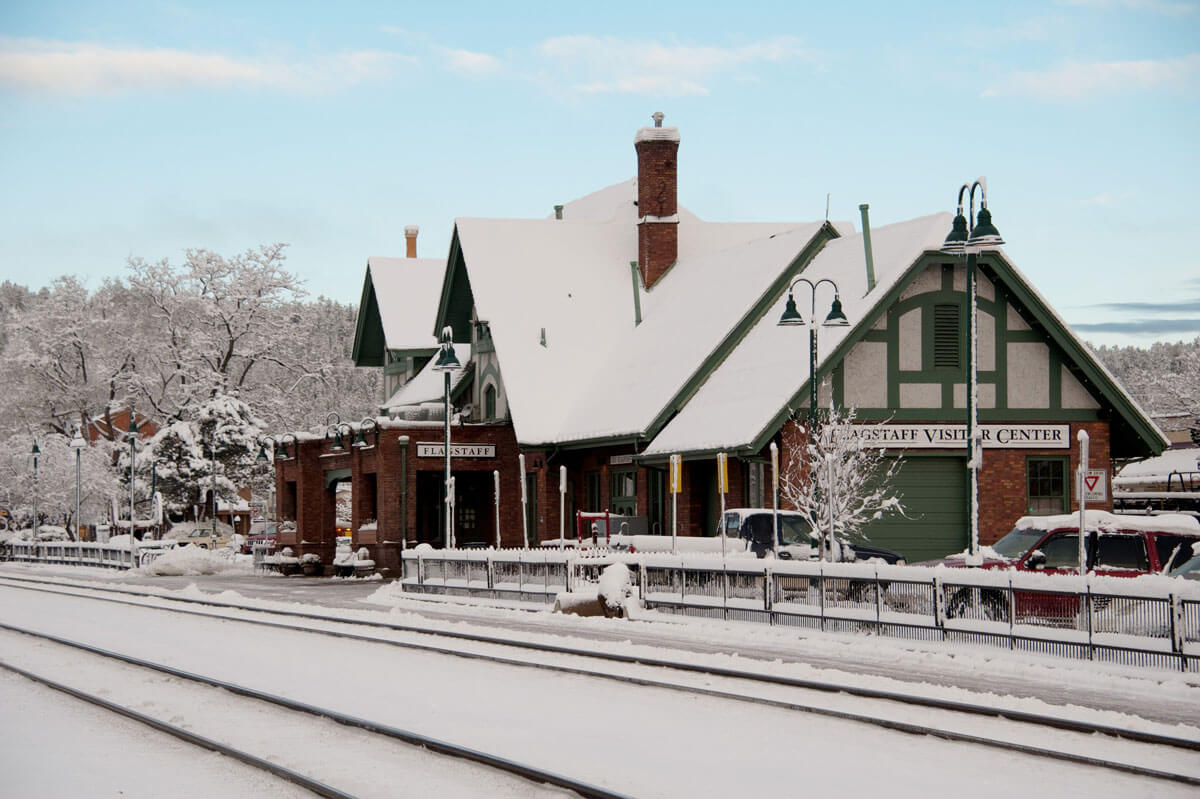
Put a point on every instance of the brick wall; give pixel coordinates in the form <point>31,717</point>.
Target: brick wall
<point>1002,487</point>
<point>658,242</point>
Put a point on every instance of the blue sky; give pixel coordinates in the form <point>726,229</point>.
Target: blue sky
<point>145,128</point>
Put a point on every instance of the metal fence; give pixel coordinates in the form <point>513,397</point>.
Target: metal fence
<point>1143,622</point>
<point>75,553</point>
<point>520,574</point>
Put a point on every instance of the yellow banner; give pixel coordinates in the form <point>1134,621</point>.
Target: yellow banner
<point>723,473</point>
<point>676,474</point>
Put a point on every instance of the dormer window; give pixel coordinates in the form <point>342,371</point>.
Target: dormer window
<point>483,337</point>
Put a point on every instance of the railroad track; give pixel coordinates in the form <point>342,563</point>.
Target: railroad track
<point>1022,725</point>
<point>319,786</point>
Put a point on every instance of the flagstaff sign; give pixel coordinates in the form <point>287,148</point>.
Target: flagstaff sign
<point>954,436</point>
<point>456,450</point>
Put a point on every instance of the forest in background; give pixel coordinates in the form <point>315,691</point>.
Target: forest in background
<point>219,351</point>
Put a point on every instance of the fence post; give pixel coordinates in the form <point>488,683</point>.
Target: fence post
<point>768,592</point>
<point>821,591</point>
<point>878,603</point>
<point>725,589</point>
<point>939,606</point>
<point>1088,602</point>
<point>1177,641</point>
<point>1012,614</point>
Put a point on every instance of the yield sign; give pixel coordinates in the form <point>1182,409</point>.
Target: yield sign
<point>1095,485</point>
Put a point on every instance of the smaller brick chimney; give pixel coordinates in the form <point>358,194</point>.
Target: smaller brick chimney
<point>658,212</point>
<point>410,238</point>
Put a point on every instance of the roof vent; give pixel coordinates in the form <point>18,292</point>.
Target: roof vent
<point>558,212</point>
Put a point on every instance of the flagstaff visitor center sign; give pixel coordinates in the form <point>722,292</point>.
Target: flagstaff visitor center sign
<point>954,436</point>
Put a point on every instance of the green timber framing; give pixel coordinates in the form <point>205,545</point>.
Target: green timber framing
<point>1133,435</point>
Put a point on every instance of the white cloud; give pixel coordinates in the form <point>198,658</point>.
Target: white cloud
<point>466,62</point>
<point>1081,80</point>
<point>1170,8</point>
<point>51,67</point>
<point>595,64</point>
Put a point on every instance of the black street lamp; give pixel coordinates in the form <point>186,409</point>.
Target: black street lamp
<point>77,443</point>
<point>791,317</point>
<point>968,236</point>
<point>447,362</point>
<point>36,453</point>
<point>132,432</point>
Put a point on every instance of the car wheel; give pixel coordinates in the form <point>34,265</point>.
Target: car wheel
<point>976,603</point>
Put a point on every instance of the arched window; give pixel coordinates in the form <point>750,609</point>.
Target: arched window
<point>489,402</point>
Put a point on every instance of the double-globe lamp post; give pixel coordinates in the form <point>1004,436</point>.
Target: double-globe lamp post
<point>969,235</point>
<point>36,453</point>
<point>447,362</point>
<point>791,318</point>
<point>77,443</point>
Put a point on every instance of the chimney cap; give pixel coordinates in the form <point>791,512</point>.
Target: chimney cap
<point>658,132</point>
<point>411,230</point>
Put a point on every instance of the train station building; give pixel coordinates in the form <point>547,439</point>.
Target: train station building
<point>622,329</point>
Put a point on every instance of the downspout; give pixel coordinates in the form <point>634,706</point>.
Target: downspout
<point>866,224</point>
<point>637,299</point>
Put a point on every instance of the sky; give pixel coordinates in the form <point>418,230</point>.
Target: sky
<point>142,129</point>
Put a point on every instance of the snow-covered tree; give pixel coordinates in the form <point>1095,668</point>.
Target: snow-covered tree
<point>55,486</point>
<point>181,455</point>
<point>826,468</point>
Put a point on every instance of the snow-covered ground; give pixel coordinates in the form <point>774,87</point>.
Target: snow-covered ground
<point>643,741</point>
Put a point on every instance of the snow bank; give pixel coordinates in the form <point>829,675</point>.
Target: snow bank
<point>188,560</point>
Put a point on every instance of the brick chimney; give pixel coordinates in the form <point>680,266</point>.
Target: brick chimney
<point>658,217</point>
<point>410,238</point>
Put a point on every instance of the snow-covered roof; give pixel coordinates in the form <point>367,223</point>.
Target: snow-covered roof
<point>1181,459</point>
<point>615,203</point>
<point>428,385</point>
<point>407,291</point>
<point>746,392</point>
<point>598,375</point>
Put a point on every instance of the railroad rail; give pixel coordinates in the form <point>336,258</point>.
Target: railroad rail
<point>894,698</point>
<point>497,762</point>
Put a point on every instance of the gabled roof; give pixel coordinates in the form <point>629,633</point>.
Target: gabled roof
<point>428,385</point>
<point>398,305</point>
<point>746,400</point>
<point>598,376</point>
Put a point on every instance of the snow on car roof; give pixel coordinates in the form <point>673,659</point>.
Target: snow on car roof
<point>1103,520</point>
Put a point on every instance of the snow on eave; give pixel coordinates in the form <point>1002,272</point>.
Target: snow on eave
<point>428,385</point>
<point>1086,351</point>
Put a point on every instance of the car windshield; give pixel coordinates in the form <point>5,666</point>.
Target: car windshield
<point>793,530</point>
<point>1189,569</point>
<point>1018,542</point>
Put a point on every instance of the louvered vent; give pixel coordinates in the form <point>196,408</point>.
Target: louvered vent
<point>946,336</point>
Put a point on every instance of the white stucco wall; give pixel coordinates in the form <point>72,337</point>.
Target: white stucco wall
<point>920,395</point>
<point>910,340</point>
<point>865,375</point>
<point>1028,375</point>
<point>1074,395</point>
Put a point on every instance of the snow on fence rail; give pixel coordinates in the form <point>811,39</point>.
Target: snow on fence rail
<point>1149,621</point>
<point>75,553</point>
